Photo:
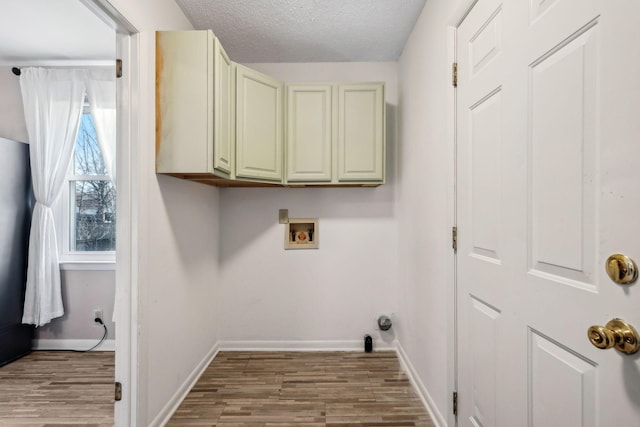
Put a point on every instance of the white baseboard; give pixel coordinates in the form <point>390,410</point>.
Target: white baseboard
<point>50,344</point>
<point>428,402</point>
<point>172,405</point>
<point>344,345</point>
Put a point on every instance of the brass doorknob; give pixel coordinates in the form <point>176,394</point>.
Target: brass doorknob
<point>621,269</point>
<point>617,333</point>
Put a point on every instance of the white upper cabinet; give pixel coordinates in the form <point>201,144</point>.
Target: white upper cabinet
<point>259,124</point>
<point>335,133</point>
<point>194,104</point>
<point>222,123</point>
<point>309,132</point>
<point>361,132</point>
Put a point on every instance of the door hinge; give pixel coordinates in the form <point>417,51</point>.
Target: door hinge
<point>118,68</point>
<point>118,392</point>
<point>454,238</point>
<point>454,74</point>
<point>455,403</point>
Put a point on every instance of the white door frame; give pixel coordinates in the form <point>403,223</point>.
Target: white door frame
<point>125,411</point>
<point>452,316</point>
<point>126,314</point>
<point>456,18</point>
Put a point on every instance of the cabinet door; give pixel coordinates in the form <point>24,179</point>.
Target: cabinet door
<point>361,130</point>
<point>184,102</point>
<point>223,110</point>
<point>258,126</point>
<point>309,130</point>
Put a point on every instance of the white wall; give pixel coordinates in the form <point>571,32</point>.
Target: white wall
<point>425,164</point>
<point>329,294</point>
<point>176,236</point>
<point>82,292</point>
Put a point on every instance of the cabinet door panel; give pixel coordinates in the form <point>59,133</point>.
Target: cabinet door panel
<point>184,110</point>
<point>223,114</point>
<point>309,132</point>
<point>258,126</point>
<point>361,132</point>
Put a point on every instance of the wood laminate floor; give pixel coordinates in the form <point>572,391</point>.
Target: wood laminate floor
<point>238,389</point>
<point>261,389</point>
<point>53,388</point>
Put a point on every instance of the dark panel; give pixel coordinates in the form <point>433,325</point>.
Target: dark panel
<point>15,219</point>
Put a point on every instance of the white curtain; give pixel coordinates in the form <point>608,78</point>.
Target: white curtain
<point>52,101</point>
<point>101,91</point>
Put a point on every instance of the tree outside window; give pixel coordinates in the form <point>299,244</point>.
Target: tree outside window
<point>93,221</point>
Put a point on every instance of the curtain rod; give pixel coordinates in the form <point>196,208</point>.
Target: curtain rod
<point>85,64</point>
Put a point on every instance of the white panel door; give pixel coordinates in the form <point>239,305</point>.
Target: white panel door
<point>548,188</point>
<point>258,126</point>
<point>309,132</point>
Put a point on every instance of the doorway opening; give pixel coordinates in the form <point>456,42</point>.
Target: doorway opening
<point>87,34</point>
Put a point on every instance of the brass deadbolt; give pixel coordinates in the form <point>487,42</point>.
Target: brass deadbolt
<point>621,269</point>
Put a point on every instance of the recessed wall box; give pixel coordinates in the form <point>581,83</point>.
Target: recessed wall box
<point>301,233</point>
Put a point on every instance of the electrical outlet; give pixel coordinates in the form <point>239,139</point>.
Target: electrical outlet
<point>97,314</point>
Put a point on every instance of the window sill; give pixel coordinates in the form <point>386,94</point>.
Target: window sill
<point>87,265</point>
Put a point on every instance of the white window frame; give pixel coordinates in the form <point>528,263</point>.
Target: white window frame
<point>77,260</point>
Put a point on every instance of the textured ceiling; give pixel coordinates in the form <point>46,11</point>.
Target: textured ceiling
<point>42,32</point>
<point>307,30</point>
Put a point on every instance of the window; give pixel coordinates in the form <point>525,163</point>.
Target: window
<point>88,203</point>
